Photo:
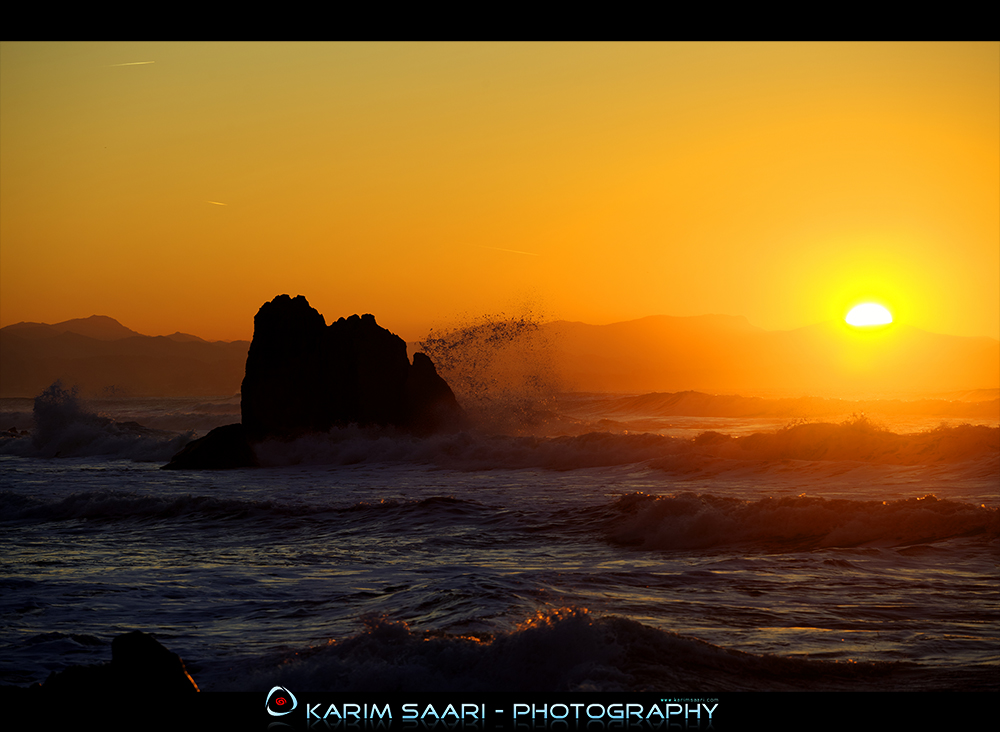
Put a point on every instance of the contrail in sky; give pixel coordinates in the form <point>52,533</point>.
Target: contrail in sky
<point>512,251</point>
<point>218,204</point>
<point>134,63</point>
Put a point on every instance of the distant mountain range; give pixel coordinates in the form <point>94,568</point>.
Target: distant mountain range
<point>100,327</point>
<point>711,353</point>
<point>104,358</point>
<point>726,354</point>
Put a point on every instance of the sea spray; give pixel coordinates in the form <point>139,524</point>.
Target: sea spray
<point>65,427</point>
<point>500,367</point>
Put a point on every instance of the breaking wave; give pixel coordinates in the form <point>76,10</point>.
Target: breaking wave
<point>858,438</point>
<point>466,450</point>
<point>568,649</point>
<point>693,521</point>
<point>63,427</point>
<point>710,451</point>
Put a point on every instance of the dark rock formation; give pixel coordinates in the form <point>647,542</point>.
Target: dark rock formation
<point>139,665</point>
<point>224,448</point>
<point>429,402</point>
<point>304,376</point>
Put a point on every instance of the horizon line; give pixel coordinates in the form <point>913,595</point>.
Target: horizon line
<point>545,322</point>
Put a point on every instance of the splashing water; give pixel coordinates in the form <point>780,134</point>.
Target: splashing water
<point>500,367</point>
<point>64,427</point>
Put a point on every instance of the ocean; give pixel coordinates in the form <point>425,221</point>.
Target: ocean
<point>694,554</point>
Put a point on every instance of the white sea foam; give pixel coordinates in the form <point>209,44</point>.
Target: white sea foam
<point>838,556</point>
<point>64,427</point>
<point>567,649</point>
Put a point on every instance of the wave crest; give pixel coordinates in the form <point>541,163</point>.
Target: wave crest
<point>860,438</point>
<point>565,649</point>
<point>693,521</point>
<point>65,428</point>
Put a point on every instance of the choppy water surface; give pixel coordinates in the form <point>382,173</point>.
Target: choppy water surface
<point>737,560</point>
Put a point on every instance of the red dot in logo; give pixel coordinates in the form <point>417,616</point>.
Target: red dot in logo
<point>280,701</point>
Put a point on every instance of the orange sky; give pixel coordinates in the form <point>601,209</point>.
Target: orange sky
<point>424,182</point>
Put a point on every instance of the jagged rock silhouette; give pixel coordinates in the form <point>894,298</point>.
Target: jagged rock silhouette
<point>304,376</point>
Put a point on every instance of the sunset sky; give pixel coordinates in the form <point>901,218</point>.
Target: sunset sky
<point>178,186</point>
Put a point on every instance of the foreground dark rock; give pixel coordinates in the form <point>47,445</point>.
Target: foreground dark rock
<point>305,376</point>
<point>139,665</point>
<point>224,448</point>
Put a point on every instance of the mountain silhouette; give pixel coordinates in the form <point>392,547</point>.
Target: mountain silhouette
<point>104,358</point>
<point>709,353</point>
<point>99,327</point>
<point>714,353</point>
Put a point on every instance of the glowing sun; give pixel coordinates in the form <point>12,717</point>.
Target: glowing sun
<point>869,314</point>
